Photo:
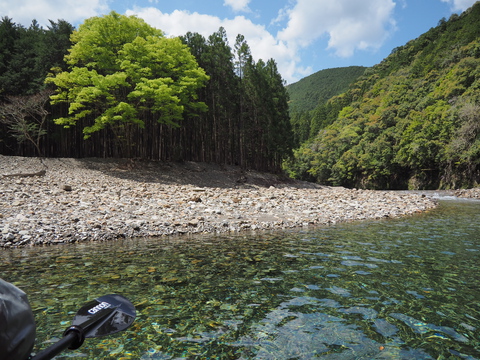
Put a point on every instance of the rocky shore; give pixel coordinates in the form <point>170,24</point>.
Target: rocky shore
<point>73,200</point>
<point>468,193</point>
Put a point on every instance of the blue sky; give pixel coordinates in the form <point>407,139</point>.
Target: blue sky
<point>303,36</point>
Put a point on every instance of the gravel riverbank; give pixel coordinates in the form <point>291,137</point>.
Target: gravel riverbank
<point>98,199</point>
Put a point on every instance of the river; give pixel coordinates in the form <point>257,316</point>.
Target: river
<point>404,288</point>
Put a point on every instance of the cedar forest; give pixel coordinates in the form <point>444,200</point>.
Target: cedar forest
<point>411,121</point>
<point>117,87</point>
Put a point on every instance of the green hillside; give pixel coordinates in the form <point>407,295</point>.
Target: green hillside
<point>314,91</point>
<point>412,121</point>
<point>317,88</point>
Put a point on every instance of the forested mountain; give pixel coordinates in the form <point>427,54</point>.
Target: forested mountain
<point>315,90</point>
<point>116,87</point>
<point>412,121</point>
<point>319,87</point>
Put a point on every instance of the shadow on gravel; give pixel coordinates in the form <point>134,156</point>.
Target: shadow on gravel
<point>169,173</point>
<point>190,173</point>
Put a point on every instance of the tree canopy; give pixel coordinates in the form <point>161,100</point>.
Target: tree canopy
<point>27,54</point>
<point>122,89</point>
<point>120,69</point>
<point>248,122</point>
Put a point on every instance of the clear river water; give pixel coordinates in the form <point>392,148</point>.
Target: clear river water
<point>405,288</point>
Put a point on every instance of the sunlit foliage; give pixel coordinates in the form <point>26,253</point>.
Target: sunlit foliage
<point>409,122</point>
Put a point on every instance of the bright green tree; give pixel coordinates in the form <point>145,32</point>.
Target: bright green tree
<point>122,72</point>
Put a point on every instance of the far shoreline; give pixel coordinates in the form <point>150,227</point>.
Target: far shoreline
<point>79,200</point>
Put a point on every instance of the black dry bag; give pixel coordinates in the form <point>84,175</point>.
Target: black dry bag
<point>17,324</point>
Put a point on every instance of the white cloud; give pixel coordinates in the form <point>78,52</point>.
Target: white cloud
<point>238,5</point>
<point>460,5</point>
<point>350,24</point>
<point>262,43</point>
<point>347,25</point>
<point>73,11</point>
<point>179,22</point>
